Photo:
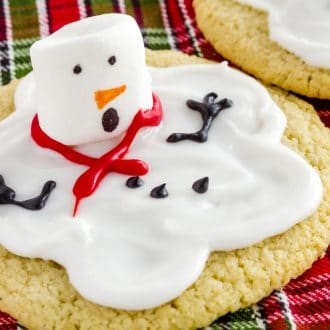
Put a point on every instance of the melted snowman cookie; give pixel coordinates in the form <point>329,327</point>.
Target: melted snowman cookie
<point>224,182</point>
<point>230,280</point>
<point>146,251</point>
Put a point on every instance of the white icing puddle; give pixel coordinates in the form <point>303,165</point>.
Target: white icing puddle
<point>127,250</point>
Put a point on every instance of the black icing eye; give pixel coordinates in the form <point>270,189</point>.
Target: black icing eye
<point>77,69</point>
<point>112,60</point>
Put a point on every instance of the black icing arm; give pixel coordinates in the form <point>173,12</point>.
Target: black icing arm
<point>209,110</point>
<point>7,196</point>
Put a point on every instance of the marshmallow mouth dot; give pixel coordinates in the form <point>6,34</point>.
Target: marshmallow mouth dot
<point>110,120</point>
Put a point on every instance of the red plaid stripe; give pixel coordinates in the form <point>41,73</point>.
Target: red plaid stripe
<point>271,312</point>
<point>7,322</point>
<point>309,296</point>
<point>137,12</point>
<point>206,49</point>
<point>61,12</point>
<point>3,35</point>
<point>308,300</point>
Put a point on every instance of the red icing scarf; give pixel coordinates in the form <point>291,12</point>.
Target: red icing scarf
<point>111,161</point>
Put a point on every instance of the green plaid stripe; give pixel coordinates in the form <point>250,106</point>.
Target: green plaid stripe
<point>24,18</point>
<point>101,6</point>
<point>25,26</point>
<point>150,10</point>
<point>244,319</point>
<point>154,38</point>
<point>22,56</point>
<point>22,63</point>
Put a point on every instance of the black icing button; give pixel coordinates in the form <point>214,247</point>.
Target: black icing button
<point>201,186</point>
<point>159,191</point>
<point>112,60</point>
<point>134,182</point>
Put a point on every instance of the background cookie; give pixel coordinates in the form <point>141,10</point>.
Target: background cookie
<point>39,295</point>
<point>240,33</point>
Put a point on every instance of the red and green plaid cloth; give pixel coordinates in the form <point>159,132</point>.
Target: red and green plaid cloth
<point>304,304</point>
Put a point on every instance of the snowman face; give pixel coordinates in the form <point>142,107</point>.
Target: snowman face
<point>90,86</point>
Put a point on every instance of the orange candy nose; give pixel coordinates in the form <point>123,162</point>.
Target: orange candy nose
<point>102,97</point>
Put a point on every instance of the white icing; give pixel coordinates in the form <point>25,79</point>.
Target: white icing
<point>300,26</point>
<point>130,251</point>
<point>66,105</point>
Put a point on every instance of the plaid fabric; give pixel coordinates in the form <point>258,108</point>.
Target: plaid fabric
<point>304,304</point>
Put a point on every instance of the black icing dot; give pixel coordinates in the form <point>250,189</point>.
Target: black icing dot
<point>112,60</point>
<point>159,191</point>
<point>77,69</point>
<point>110,120</point>
<point>134,182</point>
<point>201,186</point>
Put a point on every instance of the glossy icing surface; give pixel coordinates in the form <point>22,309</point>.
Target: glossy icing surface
<point>128,250</point>
<point>300,26</point>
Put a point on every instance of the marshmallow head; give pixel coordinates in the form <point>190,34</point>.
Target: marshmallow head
<point>91,79</point>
